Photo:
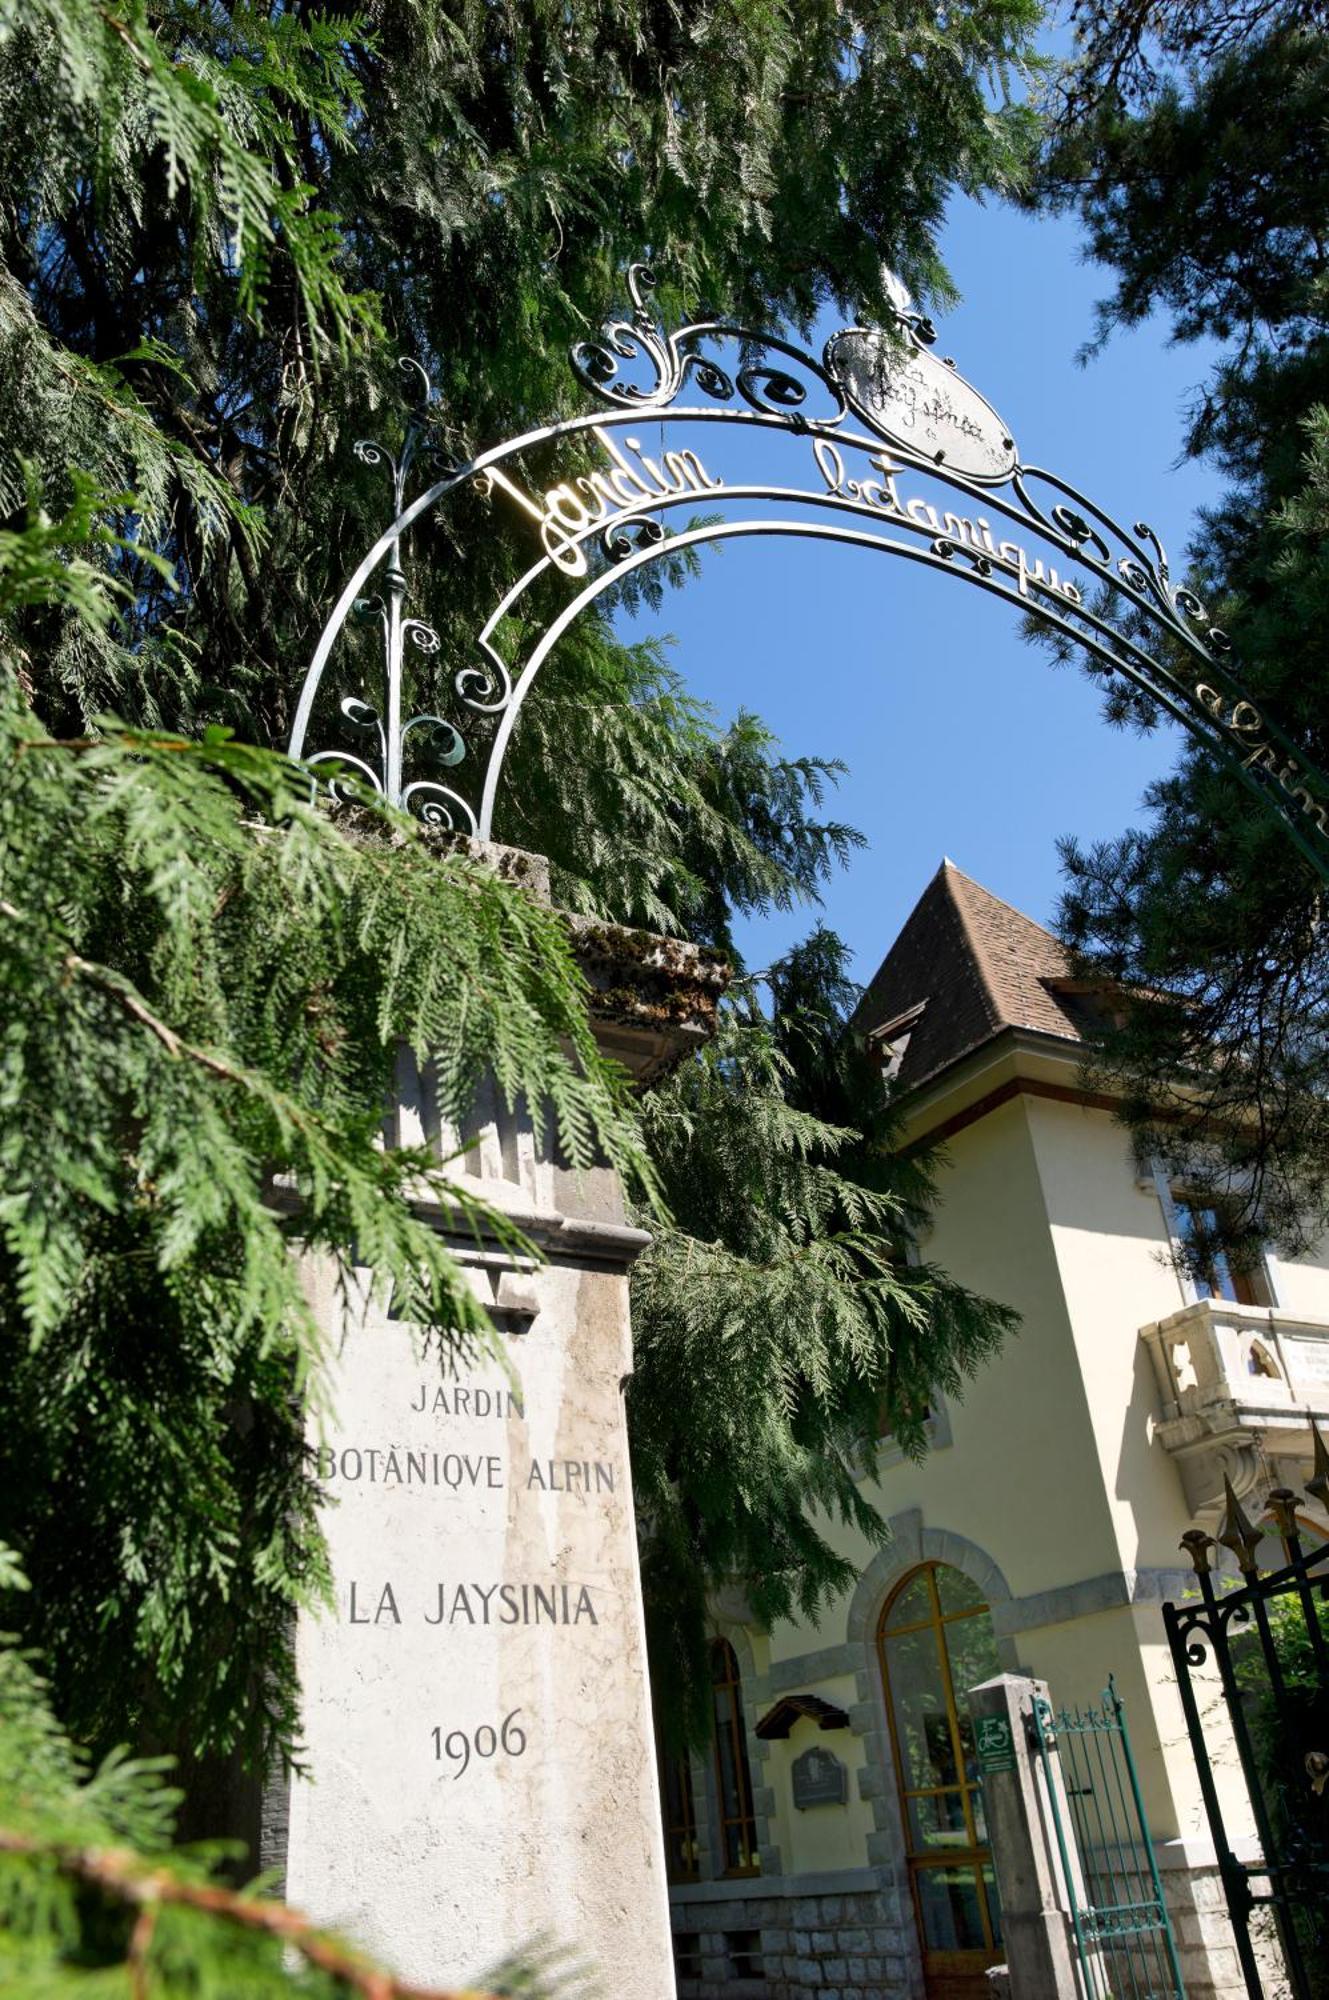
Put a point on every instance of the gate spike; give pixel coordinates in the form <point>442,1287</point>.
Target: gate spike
<point>1318,1484</point>
<point>1235,1532</point>
<point>1282,1505</point>
<point>1197,1546</point>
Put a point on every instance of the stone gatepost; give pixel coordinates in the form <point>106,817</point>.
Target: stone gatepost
<point>476,1709</point>
<point>1037,1931</point>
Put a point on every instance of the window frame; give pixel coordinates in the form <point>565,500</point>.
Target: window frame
<point>1173,1197</point>
<point>734,1725</point>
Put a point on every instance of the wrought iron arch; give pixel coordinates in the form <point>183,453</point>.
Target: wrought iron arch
<point>906,458</point>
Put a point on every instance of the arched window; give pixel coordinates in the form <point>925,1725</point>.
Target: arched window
<point>935,1642</point>
<point>733,1776</point>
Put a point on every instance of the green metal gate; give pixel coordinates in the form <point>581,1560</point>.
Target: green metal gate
<point>1123,1934</point>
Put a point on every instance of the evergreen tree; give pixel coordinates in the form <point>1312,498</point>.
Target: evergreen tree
<point>220,230</point>
<point>1190,139</point>
<point>780,1323</point>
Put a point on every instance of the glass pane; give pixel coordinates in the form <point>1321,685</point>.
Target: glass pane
<point>956,1591</point>
<point>724,1667</point>
<point>973,1657</point>
<point>952,1915</point>
<point>980,1817</point>
<point>913,1604</point>
<point>918,1703</point>
<point>731,1799</point>
<point>936,1820</point>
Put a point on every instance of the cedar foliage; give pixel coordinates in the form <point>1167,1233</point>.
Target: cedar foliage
<point>779,1325</point>
<point>221,229</point>
<point>1204,210</point>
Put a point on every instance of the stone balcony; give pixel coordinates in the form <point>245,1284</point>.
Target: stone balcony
<point>1238,1387</point>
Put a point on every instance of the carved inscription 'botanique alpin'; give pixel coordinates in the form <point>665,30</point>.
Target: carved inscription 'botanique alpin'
<point>379,1465</point>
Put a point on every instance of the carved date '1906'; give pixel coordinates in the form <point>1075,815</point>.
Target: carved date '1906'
<point>459,1748</point>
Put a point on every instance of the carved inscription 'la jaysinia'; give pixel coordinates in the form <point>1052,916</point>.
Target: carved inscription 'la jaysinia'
<point>472,1604</point>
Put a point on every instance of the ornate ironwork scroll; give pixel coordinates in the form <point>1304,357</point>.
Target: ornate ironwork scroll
<point>891,450</point>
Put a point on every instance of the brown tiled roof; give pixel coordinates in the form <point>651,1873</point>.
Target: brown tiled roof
<point>967,966</point>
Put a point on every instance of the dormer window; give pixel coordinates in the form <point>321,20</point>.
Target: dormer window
<point>889,1042</point>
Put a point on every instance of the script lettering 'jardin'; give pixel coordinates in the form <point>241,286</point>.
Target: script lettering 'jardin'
<point>566,512</point>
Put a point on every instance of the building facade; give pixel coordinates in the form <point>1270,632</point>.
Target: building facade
<point>832,1842</point>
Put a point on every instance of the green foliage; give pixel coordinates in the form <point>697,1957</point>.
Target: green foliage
<point>1216,218</point>
<point>779,1325</point>
<point>204,984</point>
<point>220,228</point>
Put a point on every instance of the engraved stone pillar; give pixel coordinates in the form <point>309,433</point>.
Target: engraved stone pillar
<point>476,1707</point>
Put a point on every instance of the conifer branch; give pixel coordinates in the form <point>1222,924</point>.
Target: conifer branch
<point>123,1875</point>
<point>135,1006</point>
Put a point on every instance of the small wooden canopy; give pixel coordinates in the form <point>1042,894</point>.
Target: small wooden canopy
<point>779,1720</point>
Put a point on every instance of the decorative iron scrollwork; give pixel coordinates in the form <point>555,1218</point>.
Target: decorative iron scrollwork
<point>881,394</point>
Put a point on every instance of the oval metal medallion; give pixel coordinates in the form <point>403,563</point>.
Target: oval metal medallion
<point>917,401</point>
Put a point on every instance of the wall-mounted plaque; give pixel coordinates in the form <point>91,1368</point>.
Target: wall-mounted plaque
<point>819,1779</point>
<point>917,401</point>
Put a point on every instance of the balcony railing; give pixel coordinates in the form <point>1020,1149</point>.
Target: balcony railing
<point>1237,1386</point>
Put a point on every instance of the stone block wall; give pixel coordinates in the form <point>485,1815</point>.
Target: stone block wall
<point>1210,1968</point>
<point>784,1943</point>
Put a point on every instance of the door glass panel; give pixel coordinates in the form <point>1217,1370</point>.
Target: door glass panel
<point>973,1655</point>
<point>936,1820</point>
<point>913,1605</point>
<point>951,1912</point>
<point>956,1591</point>
<point>919,1710</point>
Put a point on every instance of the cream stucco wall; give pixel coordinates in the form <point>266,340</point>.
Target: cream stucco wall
<point>1047,1482</point>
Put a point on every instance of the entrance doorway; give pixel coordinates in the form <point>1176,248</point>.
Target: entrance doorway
<point>935,1642</point>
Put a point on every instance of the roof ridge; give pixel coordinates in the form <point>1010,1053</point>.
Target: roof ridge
<point>991,896</point>
<point>977,951</point>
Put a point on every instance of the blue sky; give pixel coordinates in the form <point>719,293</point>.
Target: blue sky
<point>960,738</point>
